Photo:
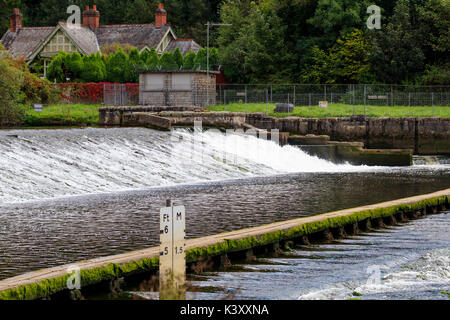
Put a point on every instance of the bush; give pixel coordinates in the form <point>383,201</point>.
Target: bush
<point>167,61</point>
<point>94,69</point>
<point>37,90</point>
<point>152,60</point>
<point>178,57</point>
<point>116,67</point>
<point>56,69</point>
<point>11,111</point>
<point>189,60</point>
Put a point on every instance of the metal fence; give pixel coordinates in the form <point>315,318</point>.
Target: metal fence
<point>117,94</point>
<point>341,100</point>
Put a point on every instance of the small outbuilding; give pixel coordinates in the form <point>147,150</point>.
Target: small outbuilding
<point>177,88</point>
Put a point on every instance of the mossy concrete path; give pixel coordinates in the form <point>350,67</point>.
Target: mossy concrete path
<point>43,283</point>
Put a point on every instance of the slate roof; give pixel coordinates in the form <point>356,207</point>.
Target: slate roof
<point>83,36</point>
<point>26,40</point>
<point>185,45</point>
<point>23,42</point>
<point>137,35</point>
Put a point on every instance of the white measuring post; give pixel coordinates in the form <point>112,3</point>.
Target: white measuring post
<point>172,258</point>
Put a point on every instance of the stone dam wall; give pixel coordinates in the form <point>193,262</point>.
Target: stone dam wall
<point>423,135</point>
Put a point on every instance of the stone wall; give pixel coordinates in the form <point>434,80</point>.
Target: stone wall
<point>423,135</point>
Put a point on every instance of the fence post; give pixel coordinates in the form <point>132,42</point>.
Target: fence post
<point>432,104</point>
<point>310,104</point>
<point>392,96</point>
<point>353,96</point>
<point>365,93</point>
<point>271,94</point>
<point>409,104</point>
<point>387,104</point>
<point>267,102</point>
<point>224,98</point>
<point>294,95</point>
<point>245,105</point>
<point>331,108</point>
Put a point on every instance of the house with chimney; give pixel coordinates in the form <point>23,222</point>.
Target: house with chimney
<point>43,43</point>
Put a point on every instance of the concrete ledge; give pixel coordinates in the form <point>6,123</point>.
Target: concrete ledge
<point>147,120</point>
<point>351,152</point>
<point>43,283</point>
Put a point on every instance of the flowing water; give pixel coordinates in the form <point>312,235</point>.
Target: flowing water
<point>67,195</point>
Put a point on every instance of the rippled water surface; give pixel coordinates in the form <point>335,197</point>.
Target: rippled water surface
<point>68,195</point>
<point>410,261</point>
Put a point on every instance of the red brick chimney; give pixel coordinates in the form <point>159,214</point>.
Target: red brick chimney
<point>91,17</point>
<point>15,20</point>
<point>160,16</point>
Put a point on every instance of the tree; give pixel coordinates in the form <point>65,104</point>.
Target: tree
<point>188,61</point>
<point>116,67</point>
<point>152,61</point>
<point>74,66</point>
<point>134,61</point>
<point>11,112</point>
<point>349,60</point>
<point>6,8</point>
<point>396,53</point>
<point>253,49</point>
<point>167,61</point>
<point>57,70</point>
<point>178,57</point>
<point>200,60</point>
<point>338,17</point>
<point>94,69</point>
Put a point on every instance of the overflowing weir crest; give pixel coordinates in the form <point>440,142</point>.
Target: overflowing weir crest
<point>42,164</point>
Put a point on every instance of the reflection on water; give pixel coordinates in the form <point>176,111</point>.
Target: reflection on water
<point>49,233</point>
<point>411,261</point>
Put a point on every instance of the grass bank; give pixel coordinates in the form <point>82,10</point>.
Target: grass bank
<point>339,110</point>
<point>62,115</point>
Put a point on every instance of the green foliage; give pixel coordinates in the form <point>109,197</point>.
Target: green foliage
<point>252,49</point>
<point>11,81</point>
<point>167,61</point>
<point>279,40</point>
<point>144,56</point>
<point>116,67</point>
<point>436,75</point>
<point>189,61</point>
<point>178,57</point>
<point>200,60</point>
<point>74,66</point>
<point>37,90</point>
<point>94,69</point>
<point>56,70</point>
<point>152,60</point>
<point>114,47</point>
<point>346,62</point>
<point>336,17</point>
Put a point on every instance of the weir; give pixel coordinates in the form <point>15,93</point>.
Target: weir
<point>44,283</point>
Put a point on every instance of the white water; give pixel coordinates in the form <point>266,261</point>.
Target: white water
<point>425,274</point>
<point>42,164</point>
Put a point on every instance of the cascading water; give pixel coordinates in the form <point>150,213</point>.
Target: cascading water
<point>40,164</point>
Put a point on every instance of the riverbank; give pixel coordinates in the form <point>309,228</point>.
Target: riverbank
<point>43,283</point>
<point>338,110</point>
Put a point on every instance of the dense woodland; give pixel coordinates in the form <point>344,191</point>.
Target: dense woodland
<point>301,41</point>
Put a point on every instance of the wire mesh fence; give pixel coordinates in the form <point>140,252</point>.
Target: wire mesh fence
<point>337,100</point>
<point>308,100</point>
